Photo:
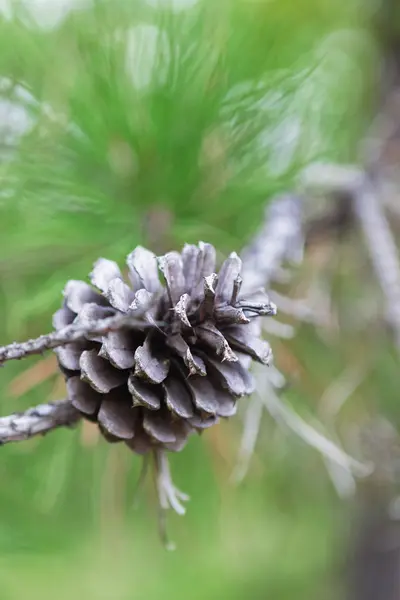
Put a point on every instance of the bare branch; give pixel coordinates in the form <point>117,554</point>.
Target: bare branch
<point>278,329</point>
<point>37,421</point>
<point>332,401</point>
<point>280,238</point>
<point>251,429</point>
<point>285,415</point>
<point>300,310</point>
<point>66,335</point>
<point>382,248</point>
<point>339,391</point>
<point>168,495</point>
<point>368,208</point>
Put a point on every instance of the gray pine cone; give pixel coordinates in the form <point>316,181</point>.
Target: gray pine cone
<point>186,367</point>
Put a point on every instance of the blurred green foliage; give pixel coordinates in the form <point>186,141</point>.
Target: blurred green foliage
<point>145,124</point>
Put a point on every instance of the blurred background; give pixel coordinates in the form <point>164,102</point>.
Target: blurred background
<point>162,122</point>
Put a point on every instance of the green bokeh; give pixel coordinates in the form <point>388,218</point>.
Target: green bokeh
<point>186,134</point>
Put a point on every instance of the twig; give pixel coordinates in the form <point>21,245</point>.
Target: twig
<point>251,428</point>
<point>342,479</point>
<point>252,424</point>
<point>339,391</point>
<point>332,401</point>
<point>363,191</point>
<point>287,416</point>
<point>280,238</point>
<point>299,310</point>
<point>168,495</point>
<point>37,421</point>
<point>382,248</point>
<point>66,335</point>
<point>278,329</point>
<point>141,480</point>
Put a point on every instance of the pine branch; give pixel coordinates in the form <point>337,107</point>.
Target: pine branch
<point>66,335</point>
<point>279,235</point>
<point>37,421</point>
<point>278,238</point>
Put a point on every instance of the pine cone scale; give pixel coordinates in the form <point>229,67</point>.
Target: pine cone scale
<point>203,395</point>
<point>69,356</point>
<point>177,398</point>
<point>244,341</point>
<point>99,373</point>
<point>190,254</point>
<point>149,364</point>
<point>83,396</point>
<point>228,274</point>
<point>116,415</point>
<point>159,427</point>
<point>78,293</point>
<point>143,270</point>
<point>144,394</point>
<point>118,348</point>
<point>104,271</point>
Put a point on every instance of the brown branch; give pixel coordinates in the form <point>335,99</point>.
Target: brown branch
<point>37,421</point>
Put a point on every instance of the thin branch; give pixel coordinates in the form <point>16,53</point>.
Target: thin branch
<point>37,421</point>
<point>300,310</point>
<point>168,495</point>
<point>66,335</point>
<point>332,401</point>
<point>368,208</point>
<point>278,329</point>
<point>339,391</point>
<point>251,429</point>
<point>342,479</point>
<point>279,238</point>
<point>368,204</point>
<point>285,415</point>
<point>382,248</point>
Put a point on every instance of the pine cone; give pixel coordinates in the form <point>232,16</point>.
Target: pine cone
<point>185,367</point>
